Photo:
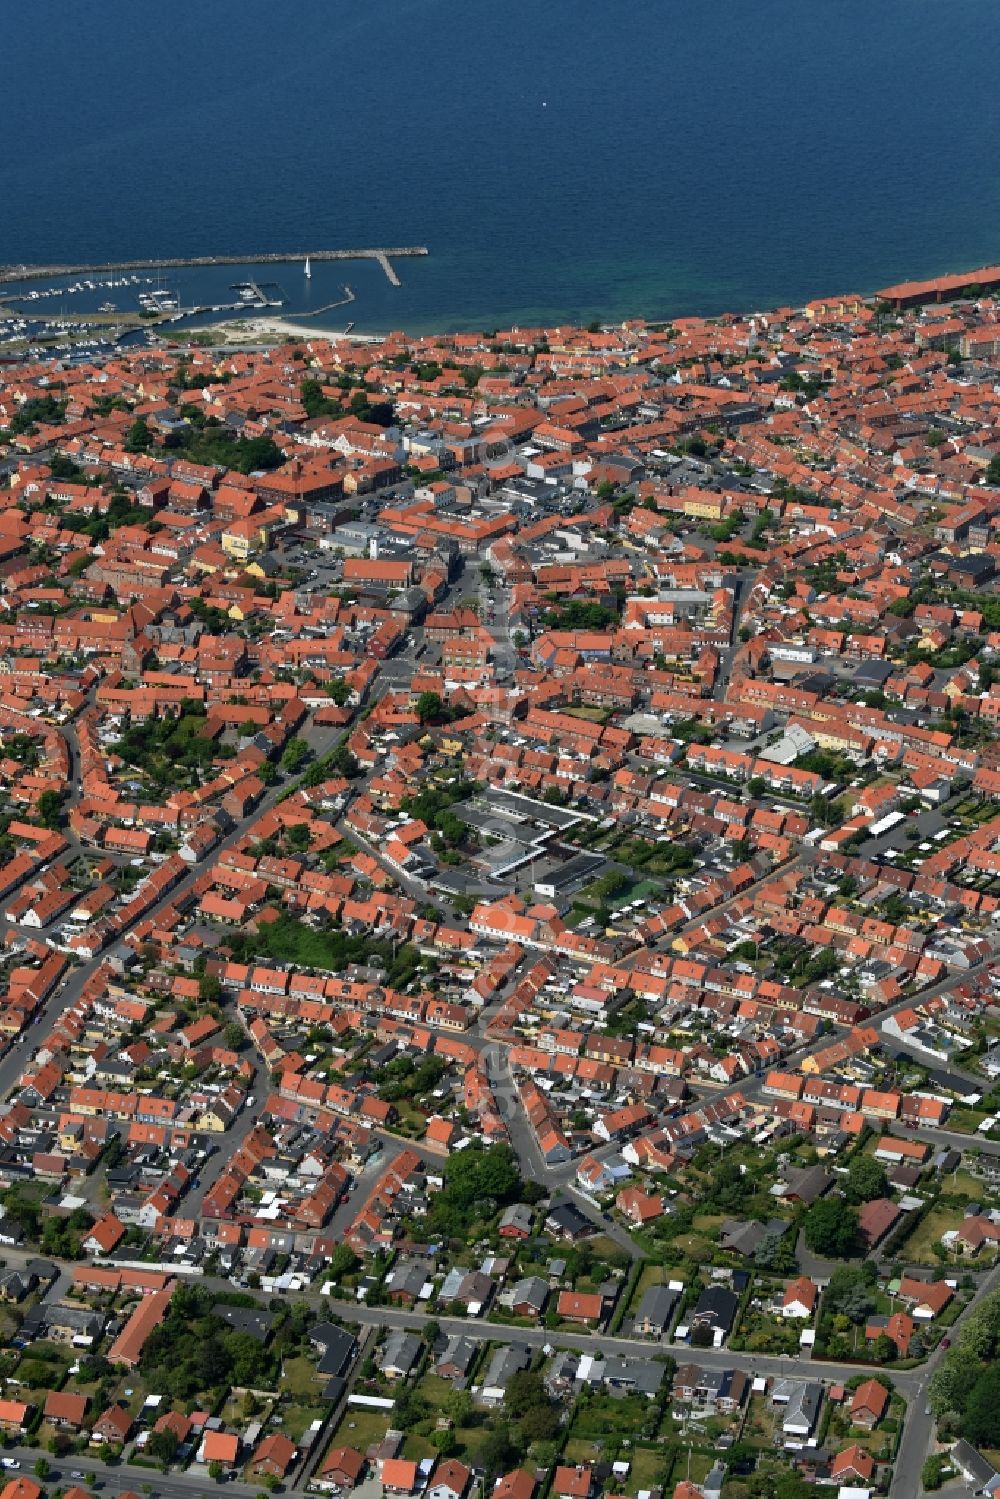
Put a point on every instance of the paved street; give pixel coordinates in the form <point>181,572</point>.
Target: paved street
<point>601,1342</point>
<point>917,1428</point>
<point>120,1478</point>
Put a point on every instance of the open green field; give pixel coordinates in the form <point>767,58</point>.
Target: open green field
<point>361,1428</point>
<point>297,1418</point>
<point>966,1121</point>
<point>580,1450</point>
<point>299,1378</point>
<point>920,1245</point>
<point>646,1471</point>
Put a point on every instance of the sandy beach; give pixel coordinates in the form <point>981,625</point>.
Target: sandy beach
<point>260,329</point>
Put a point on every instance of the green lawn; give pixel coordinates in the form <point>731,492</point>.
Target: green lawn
<point>963,1184</point>
<point>410,1115</point>
<point>966,1121</point>
<point>695,1246</point>
<point>434,1389</point>
<point>298,1377</point>
<point>579,1450</point>
<point>361,1428</point>
<point>920,1245</point>
<point>297,1418</point>
<point>418,1444</point>
<point>647,1469</point>
<point>605,1414</point>
<point>606,1249</point>
<point>592,715</point>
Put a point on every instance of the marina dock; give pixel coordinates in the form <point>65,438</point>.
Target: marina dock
<point>383,255</point>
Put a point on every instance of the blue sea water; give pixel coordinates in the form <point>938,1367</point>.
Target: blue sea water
<point>562,159</point>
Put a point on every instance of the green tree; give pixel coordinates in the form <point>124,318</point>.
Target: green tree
<point>431,1331</point>
<point>42,1468</point>
<point>499,1452</point>
<point>234,1035</point>
<point>458,1406</point>
<point>866,1179</point>
<point>477,1183</point>
<point>163,1445</point>
<point>932,1472</point>
<point>315,402</point>
<point>50,809</point>
<point>345,762</point>
<point>540,1423</point>
<point>831,1228</point>
<point>775,1252</point>
<point>789,1485</point>
<point>410,1409</point>
<point>298,837</point>
<point>524,1391</point>
<point>295,755</point>
<point>209,989</point>
<point>981,1417</point>
<point>138,438</point>
<point>343,1262</point>
<point>430,708</point>
<point>855,1303</point>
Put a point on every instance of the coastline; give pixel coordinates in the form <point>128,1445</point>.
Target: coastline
<point>253,330</point>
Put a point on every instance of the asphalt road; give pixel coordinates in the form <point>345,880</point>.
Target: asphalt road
<point>601,1343</point>
<point>951,1138</point>
<point>917,1427</point>
<point>229,1143</point>
<point>119,1478</point>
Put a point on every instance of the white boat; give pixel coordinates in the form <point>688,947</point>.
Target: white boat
<point>308,269</point>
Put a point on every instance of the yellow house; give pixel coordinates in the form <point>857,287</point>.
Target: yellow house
<point>241,539</point>
<point>706,507</point>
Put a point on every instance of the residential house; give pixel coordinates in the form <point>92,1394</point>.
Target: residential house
<point>504,1363</point>
<point>341,1471</point>
<point>869,1403</point>
<point>400,1355</point>
<point>656,1309</point>
<point>799,1298</point>
<point>273,1456</point>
